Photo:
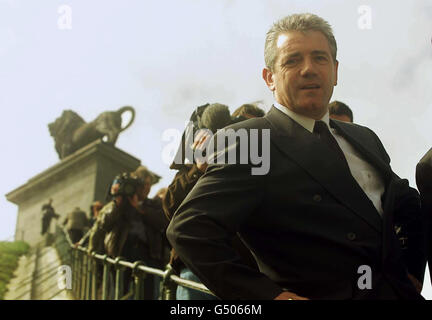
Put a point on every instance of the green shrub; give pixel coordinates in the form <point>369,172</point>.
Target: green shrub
<point>9,255</point>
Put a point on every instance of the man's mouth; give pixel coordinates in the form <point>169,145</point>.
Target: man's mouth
<point>310,86</point>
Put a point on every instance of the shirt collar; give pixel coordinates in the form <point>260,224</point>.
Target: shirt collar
<point>305,122</point>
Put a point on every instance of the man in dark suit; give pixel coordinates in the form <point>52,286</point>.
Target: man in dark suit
<point>424,184</point>
<point>320,222</point>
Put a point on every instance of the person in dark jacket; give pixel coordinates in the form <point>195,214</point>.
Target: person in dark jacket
<point>132,226</point>
<point>76,223</point>
<point>424,185</point>
<point>48,214</point>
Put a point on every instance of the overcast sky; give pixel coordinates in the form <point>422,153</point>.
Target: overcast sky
<point>167,57</point>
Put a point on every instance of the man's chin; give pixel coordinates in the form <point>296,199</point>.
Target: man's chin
<point>312,110</point>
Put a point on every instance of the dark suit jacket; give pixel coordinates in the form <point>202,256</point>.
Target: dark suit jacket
<point>424,184</point>
<point>307,222</point>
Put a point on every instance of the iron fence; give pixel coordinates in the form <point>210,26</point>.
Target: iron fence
<point>96,276</point>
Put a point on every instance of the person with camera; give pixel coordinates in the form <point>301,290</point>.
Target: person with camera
<point>132,226</point>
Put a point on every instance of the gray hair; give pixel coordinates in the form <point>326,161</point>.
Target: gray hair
<point>297,22</point>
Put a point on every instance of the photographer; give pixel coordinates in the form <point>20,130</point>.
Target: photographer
<point>132,226</point>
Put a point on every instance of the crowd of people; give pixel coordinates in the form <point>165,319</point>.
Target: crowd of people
<point>329,205</point>
<point>132,226</point>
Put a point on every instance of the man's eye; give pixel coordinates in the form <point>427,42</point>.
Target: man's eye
<point>291,61</point>
<point>321,58</point>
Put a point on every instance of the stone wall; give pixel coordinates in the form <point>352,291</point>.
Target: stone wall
<point>76,181</point>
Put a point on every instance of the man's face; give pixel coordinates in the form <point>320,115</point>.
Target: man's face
<point>304,73</point>
<point>144,191</point>
<point>97,206</point>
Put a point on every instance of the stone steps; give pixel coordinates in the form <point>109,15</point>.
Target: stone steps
<point>20,286</point>
<point>36,277</point>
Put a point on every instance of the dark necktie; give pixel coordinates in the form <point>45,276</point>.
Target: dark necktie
<point>322,131</point>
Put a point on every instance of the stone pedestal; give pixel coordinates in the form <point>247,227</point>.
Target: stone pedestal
<point>76,181</point>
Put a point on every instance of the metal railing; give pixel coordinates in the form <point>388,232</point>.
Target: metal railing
<point>96,276</point>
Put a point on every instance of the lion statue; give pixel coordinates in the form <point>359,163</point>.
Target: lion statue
<point>71,132</point>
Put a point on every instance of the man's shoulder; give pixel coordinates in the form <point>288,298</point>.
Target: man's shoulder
<point>76,213</point>
<point>155,202</point>
<point>83,214</point>
<point>352,126</point>
<point>253,123</point>
<point>424,174</point>
<point>356,130</point>
<point>46,207</point>
<point>427,158</point>
<point>108,208</point>
<point>366,137</point>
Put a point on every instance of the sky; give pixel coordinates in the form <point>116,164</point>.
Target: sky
<point>164,58</point>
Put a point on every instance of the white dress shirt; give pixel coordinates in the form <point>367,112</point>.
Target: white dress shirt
<point>368,178</point>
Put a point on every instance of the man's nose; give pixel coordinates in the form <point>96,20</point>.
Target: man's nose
<point>308,68</point>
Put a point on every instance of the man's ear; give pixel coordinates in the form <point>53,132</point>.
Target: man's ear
<point>268,78</point>
<point>336,72</point>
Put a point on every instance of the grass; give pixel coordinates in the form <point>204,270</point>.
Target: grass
<point>9,255</point>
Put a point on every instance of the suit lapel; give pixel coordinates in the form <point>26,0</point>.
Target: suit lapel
<point>322,164</point>
<point>371,157</point>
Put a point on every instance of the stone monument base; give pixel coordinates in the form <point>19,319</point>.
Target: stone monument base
<point>76,181</point>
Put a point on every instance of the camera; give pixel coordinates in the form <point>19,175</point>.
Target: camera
<point>124,185</point>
